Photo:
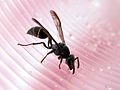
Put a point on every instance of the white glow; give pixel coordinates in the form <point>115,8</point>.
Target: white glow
<point>96,3</point>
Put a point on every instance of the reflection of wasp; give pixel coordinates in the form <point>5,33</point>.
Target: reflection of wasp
<point>59,49</point>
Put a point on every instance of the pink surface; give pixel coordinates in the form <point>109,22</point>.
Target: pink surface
<point>92,32</point>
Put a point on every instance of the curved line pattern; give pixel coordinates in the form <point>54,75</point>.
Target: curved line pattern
<point>91,31</point>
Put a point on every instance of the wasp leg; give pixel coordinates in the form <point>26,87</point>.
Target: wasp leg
<point>47,55</point>
<point>60,63</point>
<point>35,44</point>
<point>73,69</point>
<point>77,61</point>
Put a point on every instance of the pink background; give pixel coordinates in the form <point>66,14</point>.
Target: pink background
<point>92,32</point>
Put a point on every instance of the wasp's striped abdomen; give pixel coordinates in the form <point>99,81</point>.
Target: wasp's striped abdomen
<point>37,32</point>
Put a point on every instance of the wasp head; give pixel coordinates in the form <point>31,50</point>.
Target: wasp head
<point>70,62</point>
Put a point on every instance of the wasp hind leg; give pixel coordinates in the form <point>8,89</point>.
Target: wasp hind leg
<point>48,47</point>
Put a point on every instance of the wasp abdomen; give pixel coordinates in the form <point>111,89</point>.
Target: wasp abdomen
<point>37,32</point>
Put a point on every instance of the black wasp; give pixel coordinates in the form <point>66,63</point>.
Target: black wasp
<point>59,49</point>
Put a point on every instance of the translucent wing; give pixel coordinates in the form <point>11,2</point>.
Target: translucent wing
<point>57,24</point>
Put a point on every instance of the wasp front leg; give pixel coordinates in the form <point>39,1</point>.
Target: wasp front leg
<point>77,61</point>
<point>73,69</point>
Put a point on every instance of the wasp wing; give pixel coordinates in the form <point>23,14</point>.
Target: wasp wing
<point>57,24</point>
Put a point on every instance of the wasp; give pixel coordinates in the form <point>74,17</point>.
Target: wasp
<point>59,49</point>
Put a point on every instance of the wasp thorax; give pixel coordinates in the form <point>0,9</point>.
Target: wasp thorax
<point>61,49</point>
